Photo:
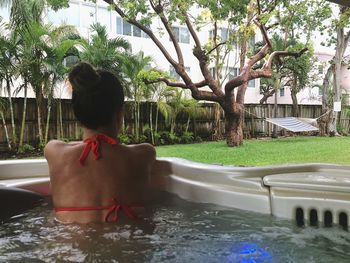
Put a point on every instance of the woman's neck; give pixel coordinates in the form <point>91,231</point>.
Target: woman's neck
<point>109,131</point>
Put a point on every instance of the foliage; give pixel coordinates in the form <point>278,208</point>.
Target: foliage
<point>103,52</point>
<point>26,148</point>
<point>58,4</point>
<point>187,137</point>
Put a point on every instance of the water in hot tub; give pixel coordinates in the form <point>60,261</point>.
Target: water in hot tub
<point>174,231</point>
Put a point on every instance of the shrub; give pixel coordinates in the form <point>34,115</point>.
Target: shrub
<point>187,137</point>
<point>25,148</point>
<point>157,139</point>
<point>124,138</point>
<point>198,139</point>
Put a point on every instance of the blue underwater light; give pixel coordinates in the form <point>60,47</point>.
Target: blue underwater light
<point>249,253</point>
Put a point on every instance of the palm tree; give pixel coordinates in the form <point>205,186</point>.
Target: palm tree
<point>192,110</point>
<point>23,14</point>
<point>103,52</point>
<point>60,44</point>
<point>7,54</point>
<point>2,115</point>
<point>177,104</point>
<point>134,68</point>
<point>158,94</point>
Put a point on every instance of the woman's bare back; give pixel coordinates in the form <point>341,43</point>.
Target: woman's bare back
<point>121,173</point>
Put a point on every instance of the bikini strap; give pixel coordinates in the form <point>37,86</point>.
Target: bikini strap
<point>116,207</point>
<point>93,144</point>
<point>113,210</point>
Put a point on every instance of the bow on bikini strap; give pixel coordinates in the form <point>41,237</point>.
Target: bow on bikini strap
<point>93,144</point>
<point>116,207</point>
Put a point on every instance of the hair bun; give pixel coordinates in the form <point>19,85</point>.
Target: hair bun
<point>84,77</point>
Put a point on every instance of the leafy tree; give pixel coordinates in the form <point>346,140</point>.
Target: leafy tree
<point>2,115</point>
<point>60,46</point>
<point>292,72</point>
<point>7,55</point>
<point>255,14</point>
<point>134,68</point>
<point>103,52</point>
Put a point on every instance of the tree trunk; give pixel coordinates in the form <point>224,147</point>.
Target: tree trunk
<point>138,122</point>
<point>151,122</point>
<point>216,123</point>
<point>39,102</point>
<point>324,121</point>
<point>6,131</point>
<point>337,70</point>
<point>58,131</point>
<point>295,108</point>
<point>156,124</point>
<point>14,136</point>
<point>342,43</point>
<point>24,113</point>
<point>172,125</point>
<point>274,131</point>
<point>267,95</point>
<point>135,122</point>
<point>48,120</point>
<point>60,118</point>
<point>188,123</point>
<point>234,127</point>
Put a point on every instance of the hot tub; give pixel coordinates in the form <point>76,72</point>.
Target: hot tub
<point>223,215</point>
<point>285,191</point>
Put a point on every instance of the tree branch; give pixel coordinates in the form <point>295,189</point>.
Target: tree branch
<point>218,45</point>
<point>274,54</point>
<point>202,57</point>
<point>196,93</point>
<point>160,12</point>
<point>267,94</point>
<point>144,29</point>
<point>192,32</point>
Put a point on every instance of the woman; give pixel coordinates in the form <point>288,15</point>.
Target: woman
<point>97,180</point>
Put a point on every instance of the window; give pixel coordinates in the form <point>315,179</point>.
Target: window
<point>281,92</point>
<point>233,72</point>
<point>127,29</point>
<point>223,33</point>
<point>251,83</point>
<point>251,42</point>
<point>174,74</point>
<point>181,34</point>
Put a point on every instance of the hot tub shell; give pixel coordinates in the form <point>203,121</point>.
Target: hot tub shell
<point>277,190</point>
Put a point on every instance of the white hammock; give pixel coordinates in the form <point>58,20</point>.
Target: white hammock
<point>295,124</point>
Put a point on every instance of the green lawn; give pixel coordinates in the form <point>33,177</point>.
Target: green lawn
<point>265,152</point>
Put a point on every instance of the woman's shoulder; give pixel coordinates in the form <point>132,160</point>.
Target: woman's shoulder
<point>52,146</point>
<point>143,150</point>
<point>55,147</point>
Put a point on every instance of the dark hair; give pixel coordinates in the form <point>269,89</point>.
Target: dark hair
<point>97,95</point>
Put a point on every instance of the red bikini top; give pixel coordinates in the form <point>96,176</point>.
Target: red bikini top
<point>93,144</point>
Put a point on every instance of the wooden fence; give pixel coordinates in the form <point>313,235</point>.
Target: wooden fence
<point>254,124</point>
